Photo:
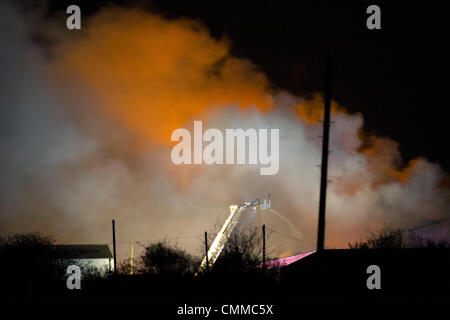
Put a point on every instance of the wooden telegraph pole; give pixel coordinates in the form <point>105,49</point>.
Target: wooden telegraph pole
<point>114,246</point>
<point>264,246</point>
<point>324,165</point>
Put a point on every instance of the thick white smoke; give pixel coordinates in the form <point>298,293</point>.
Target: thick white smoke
<point>68,167</point>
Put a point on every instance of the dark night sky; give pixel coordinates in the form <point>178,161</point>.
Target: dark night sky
<point>397,77</point>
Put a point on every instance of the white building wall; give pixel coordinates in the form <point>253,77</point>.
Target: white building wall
<point>103,265</point>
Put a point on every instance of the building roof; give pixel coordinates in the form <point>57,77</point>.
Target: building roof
<point>342,273</point>
<point>437,232</point>
<point>83,251</point>
<point>282,262</point>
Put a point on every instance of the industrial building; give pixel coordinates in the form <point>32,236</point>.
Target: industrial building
<point>95,255</point>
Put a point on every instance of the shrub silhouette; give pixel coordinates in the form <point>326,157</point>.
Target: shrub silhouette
<point>160,258</point>
<point>242,252</point>
<point>28,264</point>
<point>391,238</point>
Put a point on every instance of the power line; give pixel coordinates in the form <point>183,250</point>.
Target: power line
<point>159,238</point>
<point>288,236</point>
<point>169,238</point>
<point>139,242</point>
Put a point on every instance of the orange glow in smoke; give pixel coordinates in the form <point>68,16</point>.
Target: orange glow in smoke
<point>311,110</point>
<point>154,75</point>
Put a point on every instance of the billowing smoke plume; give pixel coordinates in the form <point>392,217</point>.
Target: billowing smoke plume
<point>86,127</point>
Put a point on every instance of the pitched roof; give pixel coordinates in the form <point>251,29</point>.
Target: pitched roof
<point>282,262</point>
<point>288,260</point>
<point>436,232</point>
<point>83,251</point>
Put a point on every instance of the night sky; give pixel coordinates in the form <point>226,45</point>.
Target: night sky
<point>397,77</point>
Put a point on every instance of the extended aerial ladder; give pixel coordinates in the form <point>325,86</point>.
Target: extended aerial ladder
<point>222,237</point>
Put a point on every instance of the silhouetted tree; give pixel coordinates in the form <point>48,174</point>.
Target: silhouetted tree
<point>389,238</point>
<point>30,253</point>
<point>162,259</point>
<point>31,264</point>
<point>242,252</point>
<point>124,267</point>
<point>28,263</point>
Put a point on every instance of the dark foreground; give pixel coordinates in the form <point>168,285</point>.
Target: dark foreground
<point>331,281</point>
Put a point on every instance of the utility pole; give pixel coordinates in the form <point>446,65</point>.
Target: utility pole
<point>324,165</point>
<point>264,246</point>
<point>206,251</point>
<point>114,246</point>
<point>131,258</point>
